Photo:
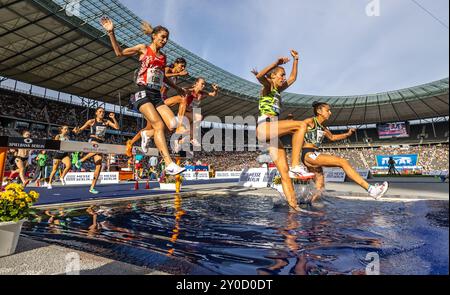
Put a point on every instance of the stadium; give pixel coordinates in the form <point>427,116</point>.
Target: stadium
<point>58,68</point>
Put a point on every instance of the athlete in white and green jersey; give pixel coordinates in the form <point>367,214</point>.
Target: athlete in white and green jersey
<point>273,80</point>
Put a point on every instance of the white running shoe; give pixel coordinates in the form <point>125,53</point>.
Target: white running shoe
<point>174,169</point>
<point>5,183</point>
<point>63,182</point>
<point>45,184</point>
<point>377,191</point>
<point>144,141</point>
<point>49,186</point>
<point>300,172</point>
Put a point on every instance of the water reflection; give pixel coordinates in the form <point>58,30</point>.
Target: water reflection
<point>179,212</point>
<point>236,235</point>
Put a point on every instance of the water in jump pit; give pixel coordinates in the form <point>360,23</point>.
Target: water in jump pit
<point>251,235</point>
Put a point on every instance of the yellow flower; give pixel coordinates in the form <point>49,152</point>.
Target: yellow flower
<point>28,200</point>
<point>34,195</point>
<point>14,187</point>
<point>22,205</point>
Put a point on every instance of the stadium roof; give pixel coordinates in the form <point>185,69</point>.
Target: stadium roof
<point>43,44</point>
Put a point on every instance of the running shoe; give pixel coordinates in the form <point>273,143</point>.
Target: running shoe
<point>129,149</point>
<point>301,173</point>
<point>377,191</point>
<point>49,186</point>
<point>94,191</point>
<point>63,182</point>
<point>144,142</point>
<point>174,169</point>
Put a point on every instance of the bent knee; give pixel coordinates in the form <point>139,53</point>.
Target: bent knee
<point>344,163</point>
<point>158,126</point>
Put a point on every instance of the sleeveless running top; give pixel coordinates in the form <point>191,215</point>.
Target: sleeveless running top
<point>151,72</point>
<point>193,100</point>
<point>315,135</point>
<point>270,105</point>
<point>99,130</point>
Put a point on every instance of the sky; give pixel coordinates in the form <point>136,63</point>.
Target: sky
<point>343,50</point>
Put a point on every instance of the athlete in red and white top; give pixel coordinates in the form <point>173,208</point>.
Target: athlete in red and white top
<point>194,98</point>
<point>150,78</point>
<point>173,72</point>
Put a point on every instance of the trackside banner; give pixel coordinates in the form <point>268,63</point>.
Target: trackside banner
<point>87,177</point>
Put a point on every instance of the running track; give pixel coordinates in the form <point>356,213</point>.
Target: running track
<point>69,194</point>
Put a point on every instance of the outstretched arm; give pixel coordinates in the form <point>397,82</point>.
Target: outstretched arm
<point>86,125</point>
<point>214,93</point>
<point>333,137</point>
<point>294,72</point>
<point>261,76</point>
<point>109,27</point>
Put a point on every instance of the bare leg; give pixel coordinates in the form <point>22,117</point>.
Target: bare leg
<point>152,116</point>
<point>21,167</point>
<point>333,161</point>
<point>67,165</point>
<point>55,168</point>
<point>320,183</point>
<point>182,102</point>
<point>138,135</point>
<point>279,155</point>
<point>168,117</point>
<point>282,128</point>
<point>98,169</point>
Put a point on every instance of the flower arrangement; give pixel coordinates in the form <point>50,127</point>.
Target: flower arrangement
<point>15,203</point>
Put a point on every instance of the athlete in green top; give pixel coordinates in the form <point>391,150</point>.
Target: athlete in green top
<point>270,129</point>
<point>75,157</point>
<point>316,132</point>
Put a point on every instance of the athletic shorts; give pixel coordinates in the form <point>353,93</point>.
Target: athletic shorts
<point>25,160</point>
<point>143,96</point>
<point>266,119</point>
<point>314,155</point>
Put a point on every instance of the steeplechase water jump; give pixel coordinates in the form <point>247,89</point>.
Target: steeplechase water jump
<point>118,143</point>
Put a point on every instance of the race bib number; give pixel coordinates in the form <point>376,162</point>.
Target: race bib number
<point>101,131</point>
<point>155,78</point>
<point>320,135</point>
